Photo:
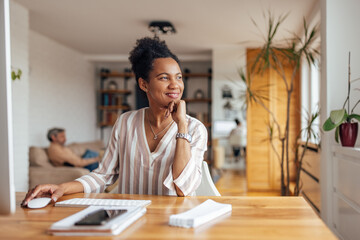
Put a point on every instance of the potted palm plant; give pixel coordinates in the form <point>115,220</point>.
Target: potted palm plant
<point>277,55</point>
<point>343,119</point>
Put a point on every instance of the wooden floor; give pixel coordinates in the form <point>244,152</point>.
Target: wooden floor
<point>233,183</point>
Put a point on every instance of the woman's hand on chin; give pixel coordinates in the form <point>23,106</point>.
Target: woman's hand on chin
<point>177,111</point>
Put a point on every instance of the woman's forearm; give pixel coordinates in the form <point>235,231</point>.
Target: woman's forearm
<point>182,155</point>
<point>72,187</point>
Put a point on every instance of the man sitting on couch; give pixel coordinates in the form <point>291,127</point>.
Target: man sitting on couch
<point>60,155</point>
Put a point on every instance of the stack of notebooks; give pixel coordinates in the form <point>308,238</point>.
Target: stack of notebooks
<point>199,215</point>
<point>97,221</point>
<point>112,220</point>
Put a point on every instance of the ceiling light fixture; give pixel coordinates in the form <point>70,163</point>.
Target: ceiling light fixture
<point>161,27</point>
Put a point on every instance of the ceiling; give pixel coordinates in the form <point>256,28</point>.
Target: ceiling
<point>110,27</point>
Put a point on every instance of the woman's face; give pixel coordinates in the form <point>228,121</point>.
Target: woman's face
<point>165,83</point>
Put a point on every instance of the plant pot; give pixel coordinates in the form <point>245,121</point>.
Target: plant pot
<point>348,134</point>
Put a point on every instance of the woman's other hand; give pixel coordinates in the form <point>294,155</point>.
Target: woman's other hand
<point>45,190</point>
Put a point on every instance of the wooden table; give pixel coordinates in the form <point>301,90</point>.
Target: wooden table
<point>252,218</point>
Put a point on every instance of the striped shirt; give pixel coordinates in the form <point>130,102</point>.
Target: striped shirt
<point>140,171</point>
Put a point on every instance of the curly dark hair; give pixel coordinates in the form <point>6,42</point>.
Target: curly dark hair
<point>145,52</point>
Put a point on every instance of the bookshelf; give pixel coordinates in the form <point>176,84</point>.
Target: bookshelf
<point>203,100</point>
<point>203,116</point>
<point>112,99</point>
<point>195,100</point>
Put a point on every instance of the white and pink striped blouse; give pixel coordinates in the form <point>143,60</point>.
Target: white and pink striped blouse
<point>140,171</point>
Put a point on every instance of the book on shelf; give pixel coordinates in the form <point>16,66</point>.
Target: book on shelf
<point>201,116</point>
<point>84,224</point>
<point>109,117</point>
<point>111,99</point>
<point>119,100</point>
<point>105,99</point>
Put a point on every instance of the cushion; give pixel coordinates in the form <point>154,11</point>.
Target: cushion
<point>54,175</point>
<point>38,157</point>
<point>80,148</point>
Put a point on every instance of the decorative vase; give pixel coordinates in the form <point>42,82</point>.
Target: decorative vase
<point>348,134</point>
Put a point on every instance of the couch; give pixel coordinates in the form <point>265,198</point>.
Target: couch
<point>41,170</point>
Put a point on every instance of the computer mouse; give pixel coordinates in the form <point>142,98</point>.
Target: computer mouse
<point>39,202</point>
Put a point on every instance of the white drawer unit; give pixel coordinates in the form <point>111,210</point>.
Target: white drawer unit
<point>347,177</point>
<point>346,219</point>
<point>311,162</point>
<point>310,177</point>
<point>311,190</point>
<point>346,192</point>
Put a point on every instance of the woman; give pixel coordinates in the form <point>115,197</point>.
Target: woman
<point>155,150</point>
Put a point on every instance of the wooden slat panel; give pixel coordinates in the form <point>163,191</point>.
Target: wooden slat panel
<point>258,149</point>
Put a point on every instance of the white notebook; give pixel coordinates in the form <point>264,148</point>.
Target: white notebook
<point>203,213</point>
<point>67,226</point>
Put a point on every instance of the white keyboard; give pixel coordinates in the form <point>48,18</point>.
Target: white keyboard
<point>84,202</point>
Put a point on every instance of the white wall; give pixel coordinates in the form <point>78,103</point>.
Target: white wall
<point>62,92</point>
<point>226,61</point>
<point>57,88</point>
<point>339,34</point>
<point>19,30</point>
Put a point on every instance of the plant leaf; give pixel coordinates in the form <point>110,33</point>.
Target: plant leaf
<point>328,125</point>
<point>337,134</point>
<point>338,116</point>
<point>356,116</point>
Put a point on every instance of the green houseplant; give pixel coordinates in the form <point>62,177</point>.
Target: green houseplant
<point>16,74</point>
<point>309,132</point>
<point>343,119</point>
<point>275,55</point>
